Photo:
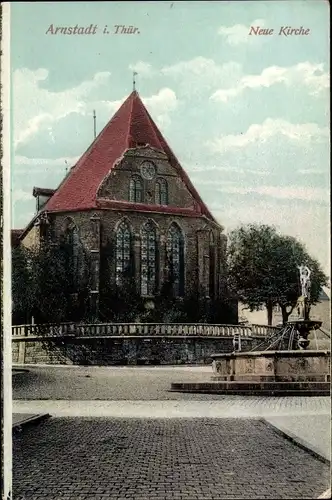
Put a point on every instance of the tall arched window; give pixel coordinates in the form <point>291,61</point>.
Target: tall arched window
<point>75,249</point>
<point>161,193</point>
<point>123,251</point>
<point>136,190</point>
<point>212,266</point>
<point>149,259</point>
<point>175,257</point>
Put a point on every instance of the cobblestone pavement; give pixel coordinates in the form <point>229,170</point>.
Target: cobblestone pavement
<point>105,383</point>
<point>121,383</point>
<point>164,459</point>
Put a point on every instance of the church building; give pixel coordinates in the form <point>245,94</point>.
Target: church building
<point>129,191</point>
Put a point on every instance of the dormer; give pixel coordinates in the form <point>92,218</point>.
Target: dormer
<point>42,196</point>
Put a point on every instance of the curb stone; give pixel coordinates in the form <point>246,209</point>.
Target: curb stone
<point>19,371</point>
<point>298,442</point>
<point>35,420</point>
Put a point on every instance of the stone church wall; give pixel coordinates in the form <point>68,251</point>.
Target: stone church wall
<point>31,240</point>
<point>116,185</point>
<point>97,228</point>
<point>195,246</point>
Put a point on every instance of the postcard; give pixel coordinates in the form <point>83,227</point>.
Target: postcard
<point>166,250</point>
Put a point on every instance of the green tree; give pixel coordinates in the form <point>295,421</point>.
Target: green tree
<point>44,286</point>
<point>53,286</point>
<point>122,302</point>
<point>165,310</point>
<point>263,269</point>
<point>128,305</point>
<point>23,287</point>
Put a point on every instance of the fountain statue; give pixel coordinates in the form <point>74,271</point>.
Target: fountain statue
<point>305,280</point>
<point>303,325</point>
<point>303,304</point>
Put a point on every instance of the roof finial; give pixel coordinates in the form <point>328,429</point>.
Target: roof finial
<point>94,124</point>
<point>134,81</point>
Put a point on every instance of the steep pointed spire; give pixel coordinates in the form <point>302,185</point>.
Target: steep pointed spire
<point>134,81</point>
<point>130,127</point>
<point>141,130</point>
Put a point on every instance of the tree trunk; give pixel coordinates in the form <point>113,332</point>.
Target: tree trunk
<point>269,307</point>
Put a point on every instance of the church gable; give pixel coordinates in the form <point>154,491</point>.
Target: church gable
<point>144,175</point>
<point>91,184</point>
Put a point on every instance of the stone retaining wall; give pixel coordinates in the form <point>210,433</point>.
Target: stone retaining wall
<point>123,350</point>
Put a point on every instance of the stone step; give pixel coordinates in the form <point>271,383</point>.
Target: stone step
<point>255,389</point>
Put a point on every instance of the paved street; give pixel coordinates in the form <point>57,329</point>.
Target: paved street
<point>187,459</point>
<point>107,383</point>
<point>307,419</point>
<point>117,432</point>
<point>227,406</point>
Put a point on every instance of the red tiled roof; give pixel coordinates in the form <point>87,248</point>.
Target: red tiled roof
<point>130,126</point>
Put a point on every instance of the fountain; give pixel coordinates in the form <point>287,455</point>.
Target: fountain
<point>280,365</point>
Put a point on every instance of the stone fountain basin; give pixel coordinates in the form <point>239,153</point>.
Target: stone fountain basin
<point>273,366</point>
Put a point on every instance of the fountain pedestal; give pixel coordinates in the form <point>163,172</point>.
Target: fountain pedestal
<point>266,373</point>
<point>272,366</point>
<point>303,328</point>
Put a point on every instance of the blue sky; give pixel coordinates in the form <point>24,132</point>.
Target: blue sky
<point>247,116</point>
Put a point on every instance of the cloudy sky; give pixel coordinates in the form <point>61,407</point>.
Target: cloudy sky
<point>247,116</point>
